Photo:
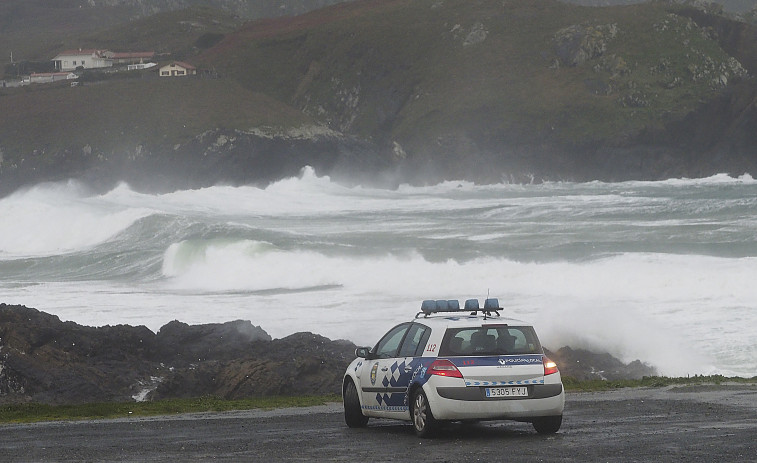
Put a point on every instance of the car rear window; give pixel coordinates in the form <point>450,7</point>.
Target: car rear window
<point>490,340</point>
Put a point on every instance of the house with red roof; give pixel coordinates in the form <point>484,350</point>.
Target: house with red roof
<point>177,69</point>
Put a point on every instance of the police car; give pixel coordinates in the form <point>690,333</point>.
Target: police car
<point>449,364</point>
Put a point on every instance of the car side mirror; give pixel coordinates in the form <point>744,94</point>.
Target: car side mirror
<point>363,352</point>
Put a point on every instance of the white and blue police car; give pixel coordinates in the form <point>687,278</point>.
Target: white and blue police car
<point>452,364</point>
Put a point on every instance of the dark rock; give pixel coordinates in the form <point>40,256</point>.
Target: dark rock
<point>43,359</point>
<point>179,344</point>
<point>582,364</point>
<point>302,363</point>
<point>574,45</point>
<point>46,360</point>
<point>237,157</point>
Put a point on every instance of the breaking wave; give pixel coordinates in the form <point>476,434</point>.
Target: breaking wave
<point>659,271</point>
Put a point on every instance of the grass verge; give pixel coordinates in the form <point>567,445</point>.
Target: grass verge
<point>33,412</point>
<point>572,384</point>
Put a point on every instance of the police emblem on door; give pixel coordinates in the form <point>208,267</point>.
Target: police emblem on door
<point>373,374</point>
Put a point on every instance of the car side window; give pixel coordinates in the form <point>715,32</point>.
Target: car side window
<point>413,339</point>
<point>388,345</point>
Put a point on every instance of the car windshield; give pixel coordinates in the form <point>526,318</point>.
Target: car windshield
<point>490,340</point>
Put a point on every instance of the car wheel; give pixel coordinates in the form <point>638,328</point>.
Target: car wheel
<point>353,414</point>
<point>547,424</point>
<point>424,422</point>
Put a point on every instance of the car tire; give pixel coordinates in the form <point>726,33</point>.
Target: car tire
<point>424,423</point>
<point>353,414</point>
<point>547,424</point>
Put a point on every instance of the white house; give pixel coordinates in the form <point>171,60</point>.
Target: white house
<point>70,60</point>
<point>177,68</point>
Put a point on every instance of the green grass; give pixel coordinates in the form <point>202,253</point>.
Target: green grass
<point>572,384</point>
<point>117,115</point>
<point>32,412</point>
<point>174,32</point>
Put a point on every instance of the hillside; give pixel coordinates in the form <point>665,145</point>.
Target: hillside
<point>735,6</point>
<point>412,70</point>
<point>459,82</point>
<point>35,30</point>
<point>177,34</point>
<point>409,90</point>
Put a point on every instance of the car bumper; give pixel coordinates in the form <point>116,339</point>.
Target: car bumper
<point>471,403</point>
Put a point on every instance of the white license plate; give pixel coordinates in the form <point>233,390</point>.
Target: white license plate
<point>521,391</point>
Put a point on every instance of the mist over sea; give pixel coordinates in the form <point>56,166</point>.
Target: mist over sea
<point>665,272</point>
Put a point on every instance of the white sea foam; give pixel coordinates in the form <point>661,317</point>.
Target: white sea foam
<point>657,271</point>
<point>55,219</point>
<point>665,309</point>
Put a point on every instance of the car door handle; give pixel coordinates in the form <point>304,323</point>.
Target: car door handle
<point>385,369</point>
<point>408,369</point>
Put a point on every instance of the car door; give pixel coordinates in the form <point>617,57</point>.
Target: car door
<point>410,362</point>
<point>377,375</point>
<point>390,373</point>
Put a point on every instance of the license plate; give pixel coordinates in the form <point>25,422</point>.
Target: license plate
<point>521,391</point>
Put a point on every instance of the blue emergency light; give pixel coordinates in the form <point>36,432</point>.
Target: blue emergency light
<point>491,304</point>
<point>472,304</point>
<point>430,306</point>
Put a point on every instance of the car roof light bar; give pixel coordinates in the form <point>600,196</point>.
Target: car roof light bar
<point>432,306</point>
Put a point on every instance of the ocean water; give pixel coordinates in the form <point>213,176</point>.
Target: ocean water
<point>664,272</point>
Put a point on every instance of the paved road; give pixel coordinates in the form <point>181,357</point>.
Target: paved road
<point>717,423</point>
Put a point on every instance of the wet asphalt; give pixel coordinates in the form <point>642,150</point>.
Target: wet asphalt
<point>696,423</point>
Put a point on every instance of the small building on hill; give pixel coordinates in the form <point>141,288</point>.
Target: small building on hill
<point>177,69</point>
<point>70,60</point>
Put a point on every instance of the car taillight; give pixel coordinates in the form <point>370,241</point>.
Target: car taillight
<point>443,367</point>
<point>550,367</point>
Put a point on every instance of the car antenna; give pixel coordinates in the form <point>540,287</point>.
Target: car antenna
<point>487,298</point>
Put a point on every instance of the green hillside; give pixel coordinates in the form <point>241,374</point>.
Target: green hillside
<point>51,121</point>
<point>419,71</point>
<point>178,33</point>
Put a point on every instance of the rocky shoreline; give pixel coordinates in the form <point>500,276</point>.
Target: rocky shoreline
<point>46,360</point>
